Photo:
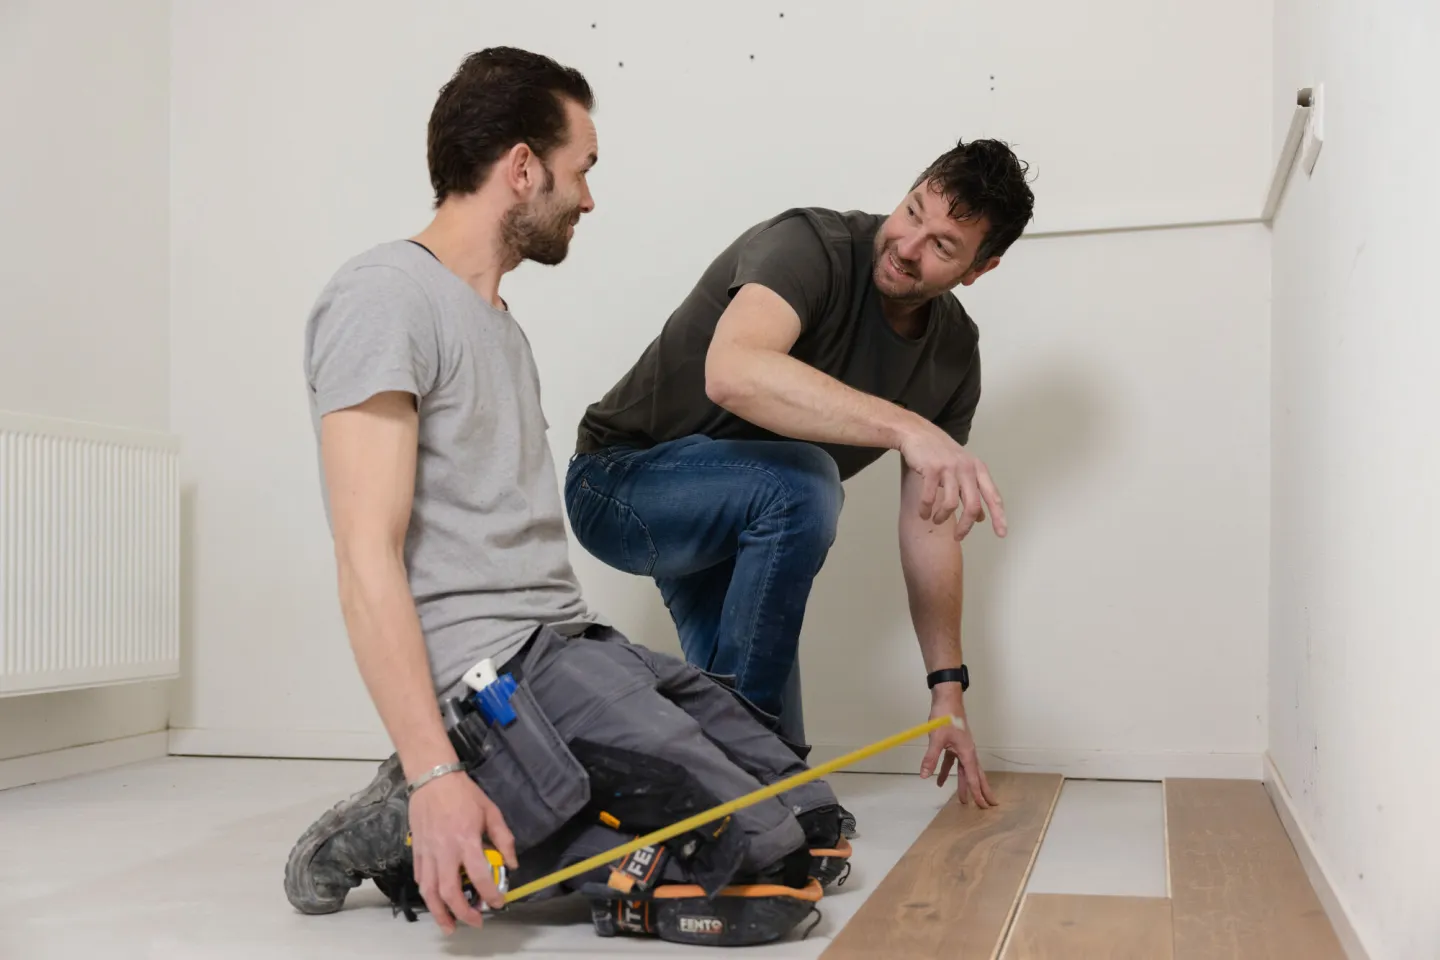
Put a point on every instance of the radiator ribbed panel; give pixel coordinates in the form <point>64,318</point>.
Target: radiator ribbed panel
<point>89,555</point>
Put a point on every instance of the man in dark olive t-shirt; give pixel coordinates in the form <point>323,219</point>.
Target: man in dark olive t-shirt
<point>812,344</point>
<point>819,263</point>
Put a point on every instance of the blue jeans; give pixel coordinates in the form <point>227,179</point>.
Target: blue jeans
<point>733,532</point>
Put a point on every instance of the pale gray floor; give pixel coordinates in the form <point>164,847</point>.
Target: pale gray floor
<point>181,859</point>
<point>1106,837</point>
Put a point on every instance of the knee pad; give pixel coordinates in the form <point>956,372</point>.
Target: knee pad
<point>634,794</point>
<point>644,899</point>
<point>738,916</point>
<point>831,866</point>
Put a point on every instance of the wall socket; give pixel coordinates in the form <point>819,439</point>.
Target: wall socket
<point>1314,130</point>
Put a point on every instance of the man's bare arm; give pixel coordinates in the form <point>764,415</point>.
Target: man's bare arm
<point>934,567</point>
<point>749,372</point>
<point>369,455</point>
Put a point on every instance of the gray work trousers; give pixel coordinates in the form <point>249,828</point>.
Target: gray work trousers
<point>605,690</point>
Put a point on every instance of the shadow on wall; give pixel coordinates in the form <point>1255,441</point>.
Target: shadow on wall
<point>1035,434</point>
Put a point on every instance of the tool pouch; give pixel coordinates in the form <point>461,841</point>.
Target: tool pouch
<point>523,767</point>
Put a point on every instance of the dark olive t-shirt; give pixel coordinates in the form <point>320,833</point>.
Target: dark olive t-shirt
<point>821,262</point>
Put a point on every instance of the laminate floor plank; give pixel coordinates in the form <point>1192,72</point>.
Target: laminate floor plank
<point>953,893</point>
<point>1238,889</point>
<point>1063,926</point>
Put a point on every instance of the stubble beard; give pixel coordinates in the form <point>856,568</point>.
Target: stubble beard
<point>540,230</point>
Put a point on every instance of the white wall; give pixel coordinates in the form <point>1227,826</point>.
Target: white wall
<point>84,272</point>
<point>1354,657</point>
<point>1122,623</point>
<point>1124,415</point>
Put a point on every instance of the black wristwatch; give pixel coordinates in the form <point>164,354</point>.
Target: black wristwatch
<point>950,676</point>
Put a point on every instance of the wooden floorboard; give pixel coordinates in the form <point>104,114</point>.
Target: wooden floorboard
<point>954,891</point>
<point>1237,886</point>
<point>1062,926</point>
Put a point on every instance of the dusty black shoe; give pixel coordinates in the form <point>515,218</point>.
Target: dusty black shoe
<point>363,837</point>
<point>847,824</point>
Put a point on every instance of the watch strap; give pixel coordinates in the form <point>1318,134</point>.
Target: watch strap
<point>950,675</point>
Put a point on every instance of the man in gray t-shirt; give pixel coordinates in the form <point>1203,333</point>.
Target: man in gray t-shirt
<point>486,550</point>
<point>450,550</point>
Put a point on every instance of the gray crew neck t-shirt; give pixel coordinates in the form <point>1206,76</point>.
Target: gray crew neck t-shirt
<point>486,549</point>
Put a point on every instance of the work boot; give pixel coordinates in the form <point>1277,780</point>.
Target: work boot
<point>360,838</point>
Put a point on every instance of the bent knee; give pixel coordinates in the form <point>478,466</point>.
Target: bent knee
<point>810,483</point>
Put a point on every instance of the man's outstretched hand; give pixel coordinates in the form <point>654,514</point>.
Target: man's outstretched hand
<point>956,745</point>
<point>448,818</point>
<point>956,482</point>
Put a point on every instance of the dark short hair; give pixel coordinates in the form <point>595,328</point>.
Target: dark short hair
<point>985,178</point>
<point>498,97</point>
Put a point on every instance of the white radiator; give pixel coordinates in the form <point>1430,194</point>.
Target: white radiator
<point>89,555</point>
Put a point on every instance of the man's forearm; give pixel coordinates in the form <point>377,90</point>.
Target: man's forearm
<point>390,653</point>
<point>787,396</point>
<point>934,567</point>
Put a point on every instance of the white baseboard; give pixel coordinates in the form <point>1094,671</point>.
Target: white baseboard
<point>1078,764</point>
<point>54,764</point>
<point>289,744</point>
<point>1319,878</point>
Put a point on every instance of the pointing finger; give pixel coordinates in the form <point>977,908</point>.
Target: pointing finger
<point>992,499</point>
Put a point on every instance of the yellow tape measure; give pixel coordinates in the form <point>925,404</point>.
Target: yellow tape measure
<point>499,873</point>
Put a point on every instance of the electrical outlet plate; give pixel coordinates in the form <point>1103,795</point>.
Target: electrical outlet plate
<point>1314,130</point>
